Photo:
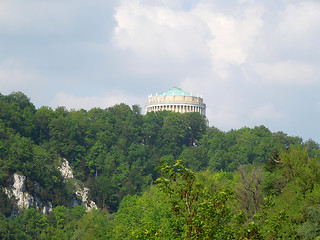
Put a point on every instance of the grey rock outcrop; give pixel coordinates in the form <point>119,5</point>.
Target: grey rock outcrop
<point>66,170</point>
<point>22,199</point>
<point>81,194</point>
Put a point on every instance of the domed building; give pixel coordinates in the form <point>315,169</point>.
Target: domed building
<point>176,100</point>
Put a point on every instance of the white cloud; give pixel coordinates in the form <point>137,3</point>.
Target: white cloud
<point>223,119</point>
<point>153,31</point>
<point>18,16</point>
<point>285,73</point>
<point>13,75</point>
<point>107,100</point>
<point>246,1</point>
<point>266,112</point>
<point>300,20</point>
<point>287,52</point>
<point>232,37</point>
<point>48,17</point>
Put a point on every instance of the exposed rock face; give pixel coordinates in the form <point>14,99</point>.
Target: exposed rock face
<point>23,199</point>
<point>81,192</point>
<point>66,170</point>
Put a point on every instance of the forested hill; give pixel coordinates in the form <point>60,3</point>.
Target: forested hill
<point>117,153</point>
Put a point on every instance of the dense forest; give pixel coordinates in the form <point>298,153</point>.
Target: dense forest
<point>161,175</point>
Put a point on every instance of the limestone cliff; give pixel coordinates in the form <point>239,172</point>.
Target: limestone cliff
<point>22,199</point>
<point>17,192</point>
<point>81,194</point>
<point>66,170</point>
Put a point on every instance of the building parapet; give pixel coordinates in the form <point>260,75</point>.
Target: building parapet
<point>176,100</point>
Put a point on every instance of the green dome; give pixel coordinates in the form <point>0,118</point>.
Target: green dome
<point>175,92</point>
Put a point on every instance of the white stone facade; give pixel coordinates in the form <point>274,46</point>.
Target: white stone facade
<point>176,100</point>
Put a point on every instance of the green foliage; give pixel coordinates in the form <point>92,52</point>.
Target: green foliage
<point>290,213</point>
<point>145,217</point>
<point>6,205</point>
<point>33,222</point>
<point>42,119</point>
<point>11,229</point>
<point>61,223</point>
<point>310,229</point>
<point>205,214</point>
<point>249,189</point>
<point>195,157</point>
<point>93,225</point>
<point>227,151</point>
<point>17,112</point>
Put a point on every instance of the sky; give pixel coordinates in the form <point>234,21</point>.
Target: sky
<point>254,62</point>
